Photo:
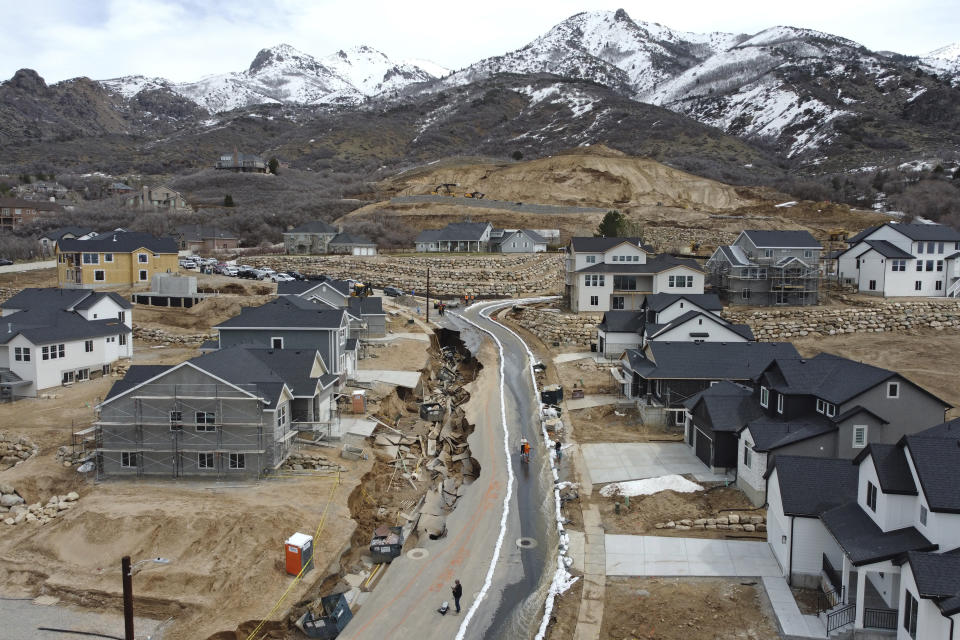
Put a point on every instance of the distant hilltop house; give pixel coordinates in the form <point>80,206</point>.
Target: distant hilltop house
<point>201,239</point>
<point>49,240</point>
<point>241,162</point>
<point>61,336</point>
<point>615,274</point>
<point>159,198</point>
<point>118,189</point>
<point>897,259</point>
<point>480,237</point>
<point>517,241</point>
<point>310,238</point>
<point>114,259</point>
<point>350,244</point>
<point>51,191</point>
<point>16,212</point>
<point>767,268</point>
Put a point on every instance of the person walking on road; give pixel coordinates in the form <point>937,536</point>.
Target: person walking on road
<point>457,592</point>
<point>557,448</point>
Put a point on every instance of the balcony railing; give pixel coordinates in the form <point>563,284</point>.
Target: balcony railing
<point>841,617</point>
<point>879,618</point>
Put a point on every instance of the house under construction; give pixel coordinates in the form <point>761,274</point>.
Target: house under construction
<point>767,268</point>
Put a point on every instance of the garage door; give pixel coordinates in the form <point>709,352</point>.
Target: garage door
<point>703,447</point>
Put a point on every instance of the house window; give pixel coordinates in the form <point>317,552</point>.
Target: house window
<point>808,254</point>
<point>67,377</point>
<point>142,258</point>
<point>91,258</point>
<point>859,436</point>
<point>99,275</point>
<point>108,257</point>
<point>898,265</point>
<point>779,403</point>
<point>46,353</point>
<point>893,389</point>
<point>205,460</point>
<point>122,316</point>
<point>938,285</point>
<point>618,302</point>
<point>87,346</point>
<point>764,397</point>
<point>238,461</point>
<point>745,294</point>
<point>919,265</point>
<point>831,410</point>
<point>128,459</point>
<point>939,265</point>
<point>931,247</point>
<point>910,607</point>
<point>939,247</point>
<point>591,259</point>
<point>276,343</point>
<point>929,265</point>
<point>206,421</point>
<point>923,515</point>
<point>872,496</point>
<point>625,283</point>
<point>21,354</point>
<point>821,406</point>
<point>873,285</point>
<point>918,285</point>
<point>123,338</point>
<point>143,275</point>
<point>594,301</point>
<point>281,415</point>
<point>176,418</point>
<point>83,374</point>
<point>747,456</point>
<point>767,253</point>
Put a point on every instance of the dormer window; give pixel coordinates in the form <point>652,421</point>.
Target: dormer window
<point>779,403</point>
<point>893,389</point>
<point>764,397</point>
<point>872,496</point>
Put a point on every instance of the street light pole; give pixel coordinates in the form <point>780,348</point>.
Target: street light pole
<point>428,295</point>
<point>127,598</point>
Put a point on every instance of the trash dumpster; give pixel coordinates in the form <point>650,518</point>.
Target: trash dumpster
<point>386,543</point>
<point>334,616</point>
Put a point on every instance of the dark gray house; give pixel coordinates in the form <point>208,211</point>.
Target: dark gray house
<point>767,268</point>
<point>227,413</point>
<point>367,317</point>
<point>309,238</point>
<point>714,417</point>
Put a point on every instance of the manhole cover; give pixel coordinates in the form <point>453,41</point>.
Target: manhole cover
<point>417,554</point>
<point>526,543</point>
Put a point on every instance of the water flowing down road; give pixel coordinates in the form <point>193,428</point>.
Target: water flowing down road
<point>502,540</point>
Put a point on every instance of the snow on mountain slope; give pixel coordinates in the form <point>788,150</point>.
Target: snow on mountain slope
<point>371,72</point>
<point>945,58</point>
<point>129,86</point>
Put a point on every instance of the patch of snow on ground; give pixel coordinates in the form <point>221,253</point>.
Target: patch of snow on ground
<point>792,203</point>
<point>649,486</point>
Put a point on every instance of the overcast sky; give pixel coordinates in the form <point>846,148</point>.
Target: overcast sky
<point>186,39</point>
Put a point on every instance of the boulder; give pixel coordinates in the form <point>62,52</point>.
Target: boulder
<point>6,488</point>
<point>733,518</point>
<point>73,496</point>
<point>10,499</point>
<point>749,527</point>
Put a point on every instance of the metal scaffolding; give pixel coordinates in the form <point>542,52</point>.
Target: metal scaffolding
<point>792,283</point>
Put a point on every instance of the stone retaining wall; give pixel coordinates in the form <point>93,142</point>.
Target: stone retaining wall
<point>565,328</point>
<point>861,316</point>
<point>167,338</point>
<point>450,276</point>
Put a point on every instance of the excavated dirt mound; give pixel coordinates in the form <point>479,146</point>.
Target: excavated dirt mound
<point>200,317</point>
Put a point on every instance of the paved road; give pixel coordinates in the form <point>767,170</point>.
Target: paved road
<point>28,266</point>
<point>519,207</point>
<point>404,603</point>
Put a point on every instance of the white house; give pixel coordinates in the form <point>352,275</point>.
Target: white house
<point>898,259</point>
<point>887,560</point>
<point>615,274</point>
<point>51,337</point>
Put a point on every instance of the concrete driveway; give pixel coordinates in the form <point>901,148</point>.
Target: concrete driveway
<point>663,556</point>
<point>615,462</point>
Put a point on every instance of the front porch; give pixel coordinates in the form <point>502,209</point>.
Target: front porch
<point>864,598</point>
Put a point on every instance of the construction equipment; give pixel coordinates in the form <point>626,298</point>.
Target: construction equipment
<point>445,189</point>
<point>837,234</point>
<point>474,194</point>
<point>361,290</point>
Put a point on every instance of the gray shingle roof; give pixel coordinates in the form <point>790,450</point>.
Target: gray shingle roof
<point>119,242</point>
<point>782,239</point>
<point>94,298</point>
<point>295,287</point>
<point>654,264</point>
<point>293,366</point>
<point>136,374</point>
<point>351,239</point>
<point>366,306</point>
<point>733,256</point>
<point>863,234</point>
<point>455,231</point>
<point>715,360</point>
<point>740,329</point>
<point>660,301</point>
<point>56,234</point>
<point>591,245</point>
<point>811,485</point>
<point>48,326</point>
<point>864,542</point>
<point>770,434</point>
<point>936,457</point>
<point>285,312</point>
<point>829,377</point>
<point>621,321</point>
<point>315,226</point>
<point>889,250</point>
<point>935,232</point>
<point>893,471</point>
<point>937,576</point>
<point>45,298</point>
<point>728,405</point>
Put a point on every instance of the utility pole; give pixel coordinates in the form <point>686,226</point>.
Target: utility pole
<point>428,295</point>
<point>127,598</point>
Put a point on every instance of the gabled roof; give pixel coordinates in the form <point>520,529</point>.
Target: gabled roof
<point>734,255</point>
<point>39,205</point>
<point>94,298</point>
<point>47,326</point>
<point>598,245</point>
<point>714,360</point>
<point>937,576</point>
<point>811,485</point>
<point>888,250</point>
<point>621,321</point>
<point>119,242</point>
<point>770,434</point>
<point>728,405</point>
<point>655,264</point>
<point>863,234</point>
<point>742,330</point>
<point>56,234</point>
<point>351,239</point>
<point>935,232</point>
<point>366,306</point>
<point>782,239</point>
<point>296,287</point>
<point>829,377</point>
<point>293,366</point>
<point>893,471</point>
<point>48,298</point>
<point>315,226</point>
<point>864,542</point>
<point>935,453</point>
<point>530,233</point>
<point>136,374</point>
<point>660,301</point>
<point>285,312</point>
<point>455,231</point>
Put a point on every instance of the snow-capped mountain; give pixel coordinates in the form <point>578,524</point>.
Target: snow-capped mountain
<point>282,74</point>
<point>946,58</point>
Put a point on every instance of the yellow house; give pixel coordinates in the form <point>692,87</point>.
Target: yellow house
<point>113,259</point>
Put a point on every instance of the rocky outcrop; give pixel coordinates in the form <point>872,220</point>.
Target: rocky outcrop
<point>857,316</point>
<point>15,449</point>
<point>15,511</point>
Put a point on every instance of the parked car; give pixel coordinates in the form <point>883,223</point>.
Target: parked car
<point>5,262</point>
<point>281,277</point>
<point>393,292</point>
<point>248,272</point>
<point>186,263</point>
<point>265,273</point>
<point>230,271</point>
<point>296,275</point>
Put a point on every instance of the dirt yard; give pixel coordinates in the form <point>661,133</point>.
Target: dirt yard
<point>686,609</point>
<point>587,375</point>
<point>610,423</point>
<point>924,356</point>
<point>402,354</point>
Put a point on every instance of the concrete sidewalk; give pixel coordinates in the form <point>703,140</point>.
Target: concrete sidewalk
<point>665,556</point>
<point>590,616</point>
<point>793,624</point>
<point>587,402</point>
<point>616,462</point>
